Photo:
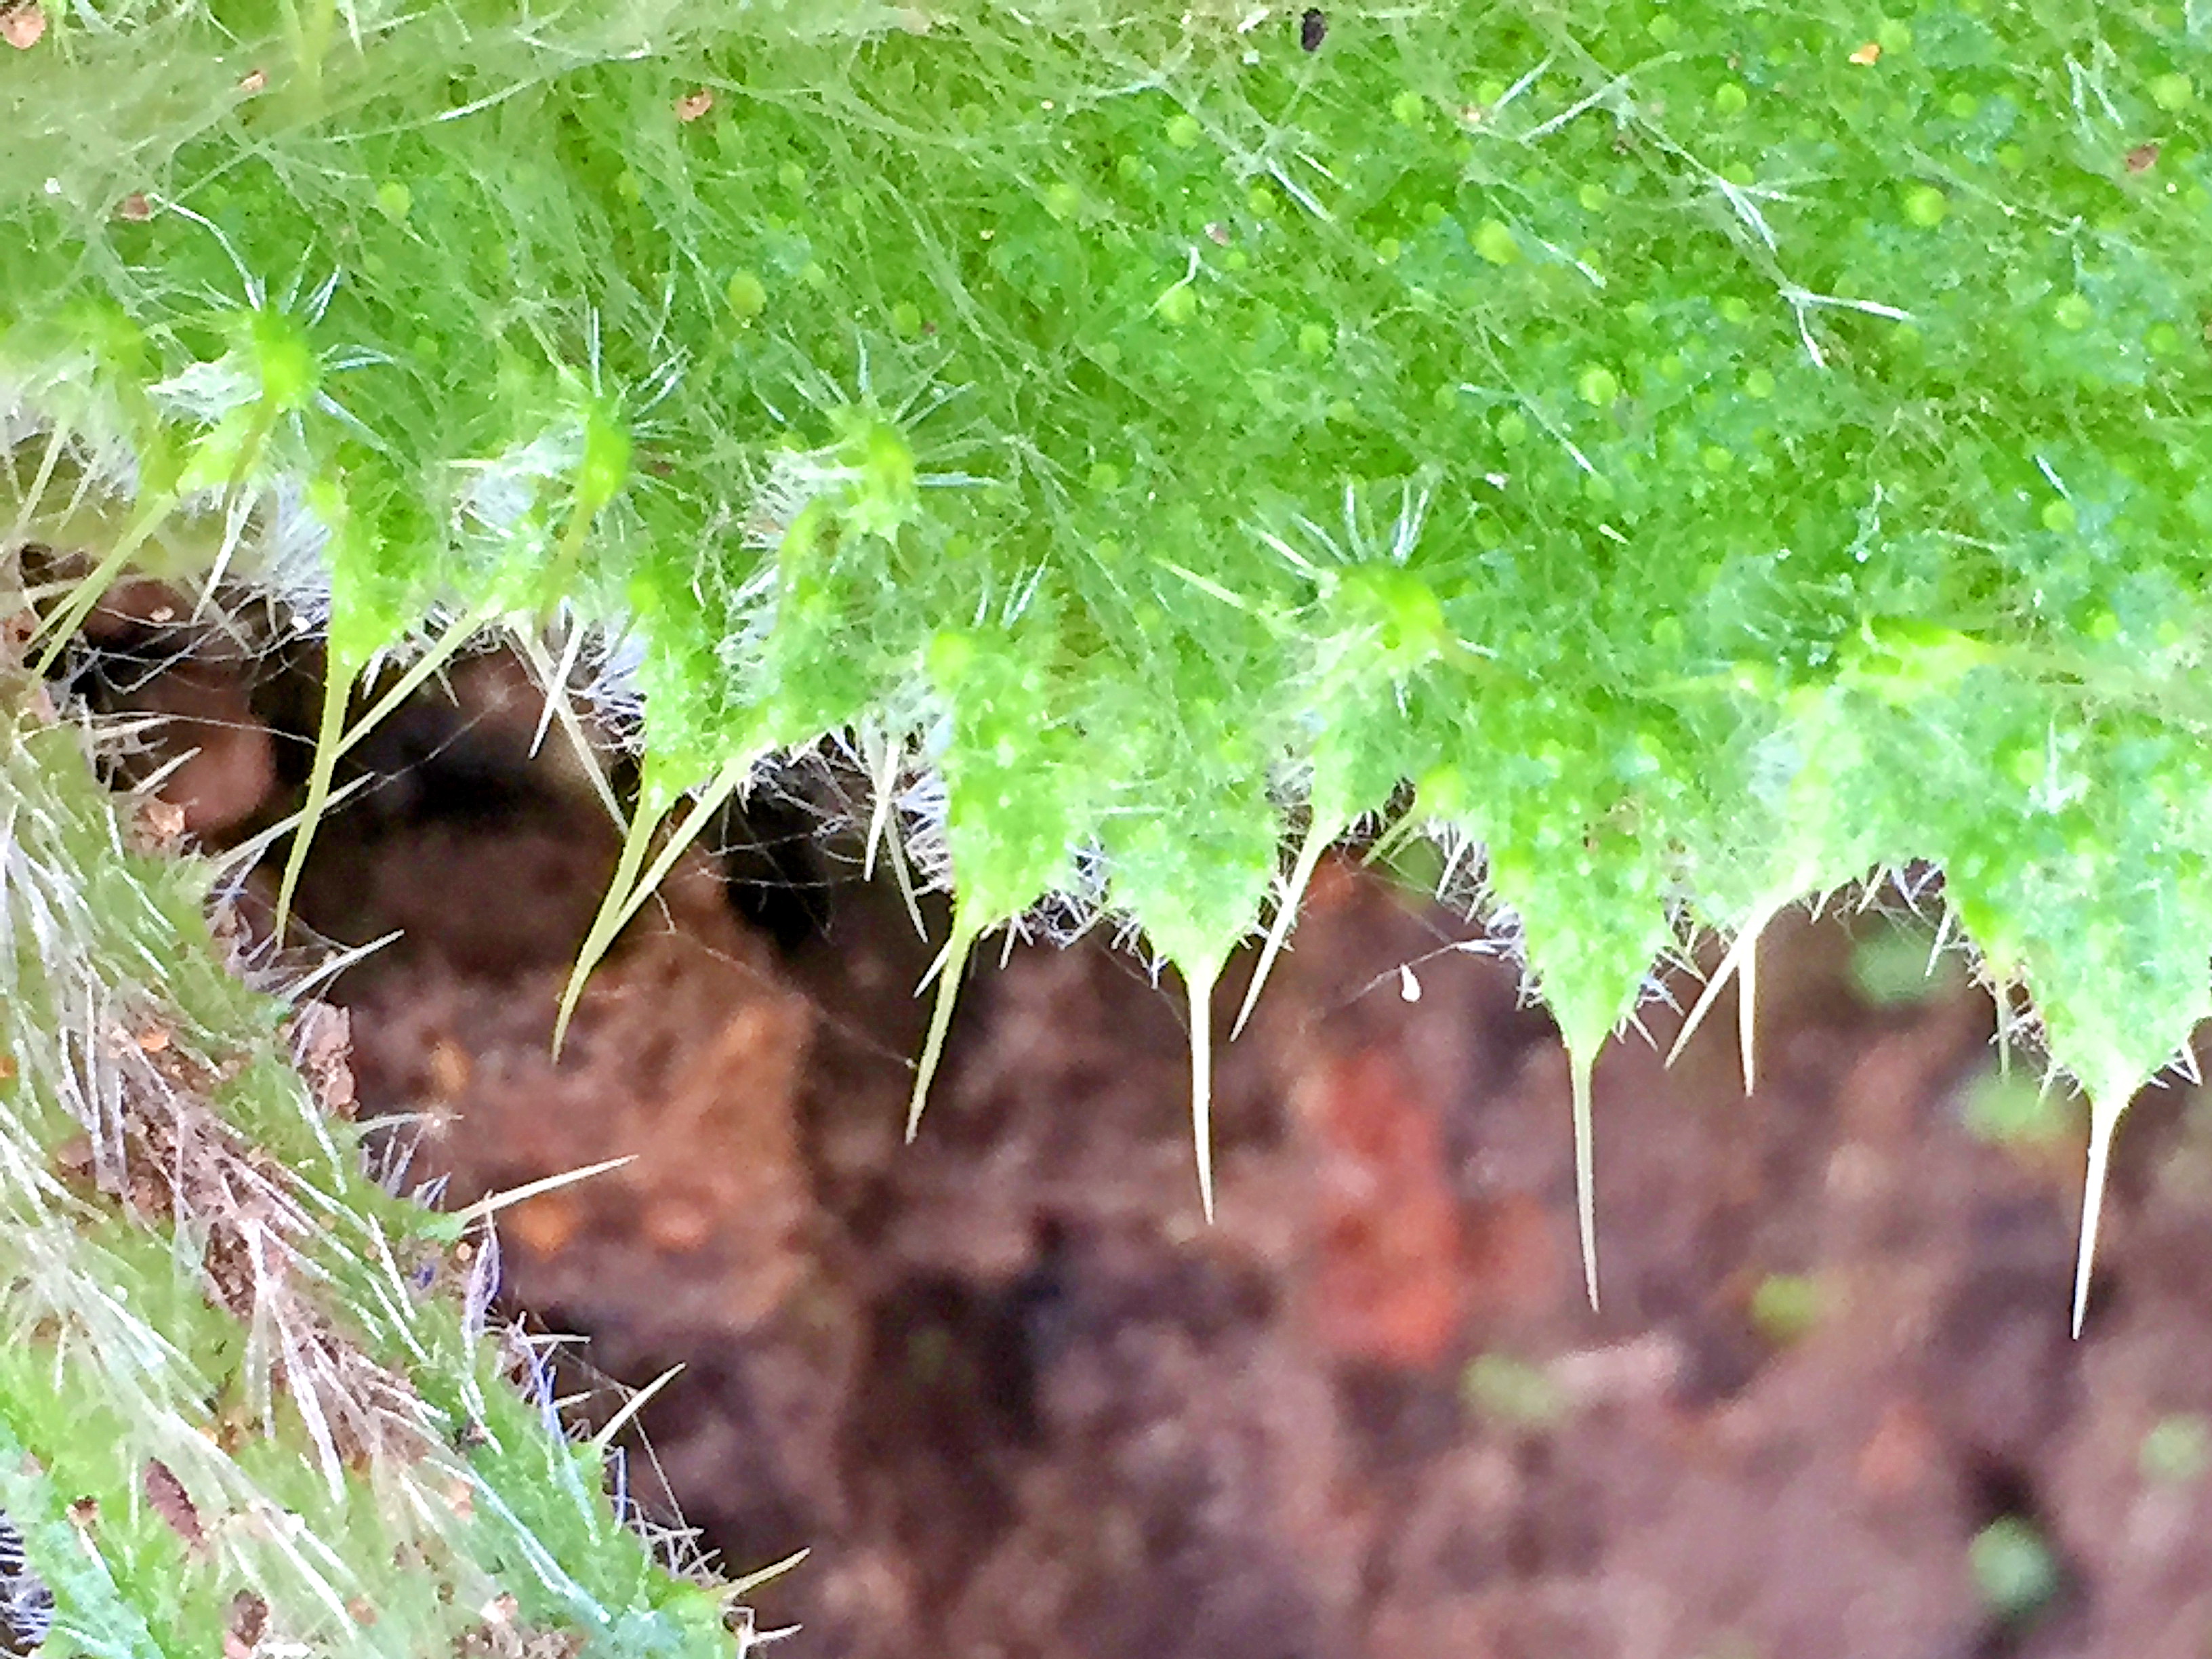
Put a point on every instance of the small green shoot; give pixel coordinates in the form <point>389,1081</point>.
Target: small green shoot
<point>1893,965</point>
<point>1786,1308</point>
<point>1513,1393</point>
<point>2017,1111</point>
<point>2176,1451</point>
<point>2015,1572</point>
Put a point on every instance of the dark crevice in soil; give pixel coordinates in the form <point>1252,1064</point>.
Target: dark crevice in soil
<point>776,870</point>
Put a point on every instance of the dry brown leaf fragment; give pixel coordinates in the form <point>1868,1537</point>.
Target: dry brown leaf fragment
<point>166,1497</point>
<point>161,822</point>
<point>323,1030</point>
<point>136,208</point>
<point>23,24</point>
<point>73,1157</point>
<point>153,1040</point>
<point>249,1623</point>
<point>2142,158</point>
<point>322,1036</point>
<point>254,81</point>
<point>1868,53</point>
<point>451,1068</point>
<point>503,1639</point>
<point>693,105</point>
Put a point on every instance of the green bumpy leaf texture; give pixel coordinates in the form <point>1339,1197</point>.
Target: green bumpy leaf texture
<point>1722,450</point>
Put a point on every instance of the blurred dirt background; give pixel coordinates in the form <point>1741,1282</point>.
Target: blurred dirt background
<point>1020,1403</point>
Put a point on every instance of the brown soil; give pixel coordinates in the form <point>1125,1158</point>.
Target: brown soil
<point>1017,1400</point>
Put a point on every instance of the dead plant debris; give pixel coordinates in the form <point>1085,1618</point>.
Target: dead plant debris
<point>24,25</point>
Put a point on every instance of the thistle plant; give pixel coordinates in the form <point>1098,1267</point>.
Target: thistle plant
<point>250,1402</point>
<point>1716,457</point>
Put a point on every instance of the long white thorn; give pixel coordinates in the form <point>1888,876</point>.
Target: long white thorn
<point>494,1202</point>
<point>1318,837</point>
<point>1579,1067</point>
<point>2104,1122</point>
<point>885,780</point>
<point>904,877</point>
<point>1199,980</point>
<point>1746,1012</point>
<point>1742,958</point>
<point>630,1407</point>
<point>759,1575</point>
<point>561,706</point>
